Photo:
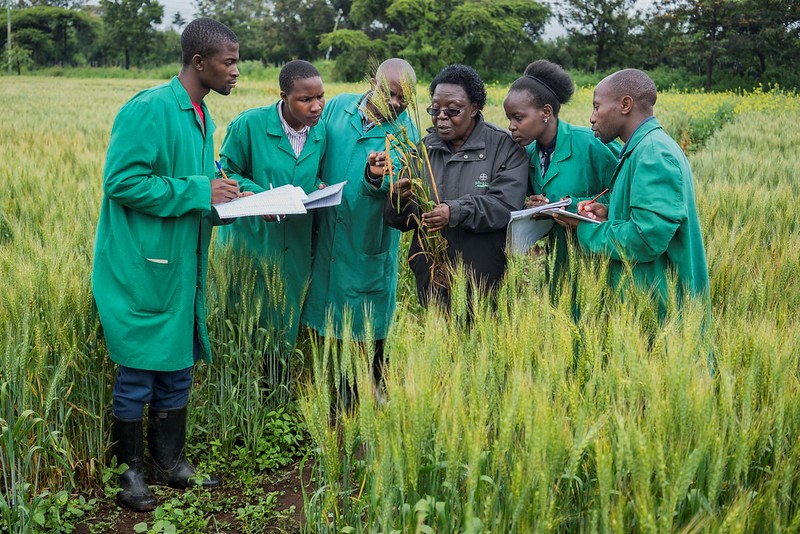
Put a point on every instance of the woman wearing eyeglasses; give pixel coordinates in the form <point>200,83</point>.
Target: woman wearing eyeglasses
<point>565,160</point>
<point>480,175</point>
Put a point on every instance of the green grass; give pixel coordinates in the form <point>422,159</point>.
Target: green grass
<point>525,420</point>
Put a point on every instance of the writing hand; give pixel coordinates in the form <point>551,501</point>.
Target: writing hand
<point>223,190</point>
<point>593,210</point>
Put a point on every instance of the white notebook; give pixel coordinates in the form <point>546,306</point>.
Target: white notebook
<point>324,198</point>
<point>523,231</point>
<point>284,200</point>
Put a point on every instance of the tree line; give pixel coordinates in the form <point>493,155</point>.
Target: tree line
<point>711,43</point>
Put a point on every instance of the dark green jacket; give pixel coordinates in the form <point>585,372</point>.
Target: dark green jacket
<point>151,249</point>
<point>257,153</point>
<point>354,272</point>
<point>481,182</point>
<point>652,217</point>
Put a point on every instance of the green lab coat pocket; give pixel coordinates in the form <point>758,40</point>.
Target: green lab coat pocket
<point>373,273</point>
<point>157,285</point>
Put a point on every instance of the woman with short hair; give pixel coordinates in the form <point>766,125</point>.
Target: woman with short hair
<point>480,175</point>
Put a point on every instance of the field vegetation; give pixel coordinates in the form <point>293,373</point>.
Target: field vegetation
<point>573,411</point>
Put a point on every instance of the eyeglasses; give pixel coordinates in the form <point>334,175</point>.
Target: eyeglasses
<point>450,112</point>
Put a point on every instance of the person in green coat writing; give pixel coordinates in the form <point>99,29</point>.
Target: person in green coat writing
<point>354,272</point>
<point>270,147</point>
<point>150,258</point>
<point>565,160</point>
<point>651,220</point>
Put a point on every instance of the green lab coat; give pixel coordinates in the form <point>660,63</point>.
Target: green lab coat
<point>652,217</point>
<point>151,248</point>
<point>581,166</point>
<point>354,271</point>
<point>257,153</point>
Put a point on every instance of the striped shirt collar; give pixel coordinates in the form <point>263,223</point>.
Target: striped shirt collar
<point>297,138</point>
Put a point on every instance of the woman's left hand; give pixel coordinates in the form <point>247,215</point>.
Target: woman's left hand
<point>437,218</point>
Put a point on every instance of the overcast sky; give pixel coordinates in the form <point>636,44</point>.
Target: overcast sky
<point>187,9</point>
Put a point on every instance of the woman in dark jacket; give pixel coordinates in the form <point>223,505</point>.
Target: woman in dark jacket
<point>480,175</point>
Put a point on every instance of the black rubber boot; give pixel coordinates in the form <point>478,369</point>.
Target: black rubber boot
<point>166,437</point>
<point>129,449</point>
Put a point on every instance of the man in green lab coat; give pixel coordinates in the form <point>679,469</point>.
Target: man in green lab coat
<point>269,147</point>
<point>150,259</point>
<point>651,219</point>
<point>354,272</point>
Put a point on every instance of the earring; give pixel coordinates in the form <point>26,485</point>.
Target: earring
<point>546,119</point>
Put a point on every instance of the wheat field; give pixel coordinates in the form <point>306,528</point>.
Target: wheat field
<point>523,418</point>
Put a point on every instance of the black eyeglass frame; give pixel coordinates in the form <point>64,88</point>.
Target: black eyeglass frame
<point>449,112</point>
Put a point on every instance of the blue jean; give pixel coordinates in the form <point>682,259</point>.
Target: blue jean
<point>164,390</point>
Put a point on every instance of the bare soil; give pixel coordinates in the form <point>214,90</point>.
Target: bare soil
<point>287,483</point>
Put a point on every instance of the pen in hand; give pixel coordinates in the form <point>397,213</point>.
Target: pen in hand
<point>603,192</point>
<point>224,189</point>
<point>219,168</point>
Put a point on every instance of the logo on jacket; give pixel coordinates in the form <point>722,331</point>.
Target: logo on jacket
<point>482,181</point>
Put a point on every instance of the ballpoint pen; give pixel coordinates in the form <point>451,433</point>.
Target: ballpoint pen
<point>219,168</point>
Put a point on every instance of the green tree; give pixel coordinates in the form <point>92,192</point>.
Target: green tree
<point>245,17</point>
<point>604,25</point>
<point>66,4</point>
<point>18,56</point>
<point>418,33</point>
<point>708,23</point>
<point>766,36</point>
<point>54,35</point>
<point>493,32</point>
<point>292,29</point>
<point>130,28</point>
<point>433,33</point>
<point>661,39</point>
<point>354,50</point>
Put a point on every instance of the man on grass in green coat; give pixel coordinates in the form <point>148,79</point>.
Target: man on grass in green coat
<point>651,219</point>
<point>354,272</point>
<point>150,258</point>
<point>270,147</point>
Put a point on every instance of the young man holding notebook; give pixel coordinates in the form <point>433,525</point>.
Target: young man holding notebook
<point>151,254</point>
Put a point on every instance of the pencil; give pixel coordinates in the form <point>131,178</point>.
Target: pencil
<point>603,192</point>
